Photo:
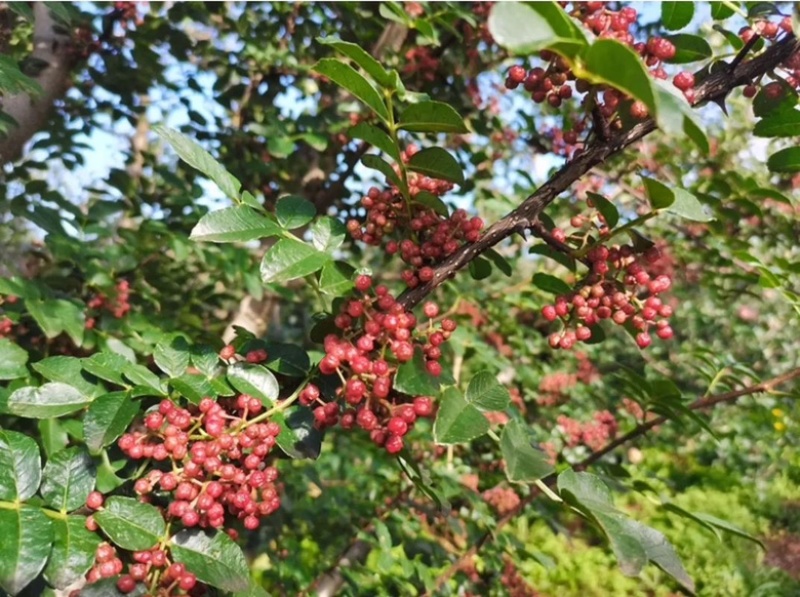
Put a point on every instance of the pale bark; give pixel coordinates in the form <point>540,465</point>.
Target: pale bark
<point>53,60</point>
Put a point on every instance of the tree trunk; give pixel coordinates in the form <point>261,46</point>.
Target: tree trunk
<point>52,56</point>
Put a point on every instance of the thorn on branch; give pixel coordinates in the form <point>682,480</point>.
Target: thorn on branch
<point>743,52</point>
<point>601,128</point>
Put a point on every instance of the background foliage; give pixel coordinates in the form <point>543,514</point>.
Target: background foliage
<point>192,187</point>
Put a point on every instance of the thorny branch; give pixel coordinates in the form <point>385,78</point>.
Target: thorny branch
<point>525,216</point>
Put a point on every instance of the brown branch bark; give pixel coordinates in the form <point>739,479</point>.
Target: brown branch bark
<point>51,52</point>
<point>635,433</point>
<point>525,216</point>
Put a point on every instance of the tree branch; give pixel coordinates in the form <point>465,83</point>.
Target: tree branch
<point>51,51</point>
<point>638,431</point>
<point>525,216</point>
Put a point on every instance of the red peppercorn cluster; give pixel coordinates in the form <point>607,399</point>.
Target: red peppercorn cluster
<point>548,84</point>
<point>106,563</point>
<point>376,336</point>
<point>623,291</point>
<point>422,236</point>
<point>119,306</point>
<point>421,61</point>
<point>431,236</point>
<point>126,10</point>
<point>152,567</point>
<point>217,454</point>
<point>556,82</point>
<point>502,499</point>
<point>6,327</point>
<point>593,434</point>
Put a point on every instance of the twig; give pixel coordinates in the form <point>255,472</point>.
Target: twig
<point>538,230</point>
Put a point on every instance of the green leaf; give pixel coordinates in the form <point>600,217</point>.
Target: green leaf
<point>433,201</point>
<point>213,557</point>
<point>774,97</point>
<point>68,370</point>
<point>299,438</point>
<point>734,40</point>
<point>336,278</point>
<point>375,137</point>
<point>288,359</point>
<point>205,359</point>
<point>676,15</point>
<point>107,418</point>
<point>12,360</point>
<point>524,463</point>
<point>23,10</point>
<point>606,208</point>
<point>56,316</point>
<point>363,59</point>
<point>720,10</point>
<point>413,378</point>
<point>106,365</point>
<point>376,163</point>
<point>327,234</point>
<point>632,542</point>
<point>557,256</point>
<point>349,78</point>
<point>782,124</point>
<point>675,200</point>
<point>689,48</point>
<point>20,466</point>
<point>255,380</point>
<point>67,480</point>
<point>486,393</point>
<point>54,436</point>
<point>499,261</point>
<point>315,140</point>
<point>437,163</point>
<point>27,537</point>
<point>234,224</point>
<point>131,524</point>
<point>688,207</point>
<point>142,376</point>
<point>786,160</point>
<point>192,386</point>
<point>53,399</point>
<point>197,157</point>
<point>107,479</point>
<point>697,135</point>
<point>73,551</point>
<point>172,358</point>
<point>551,284</point>
<point>528,28</point>
<point>660,195</point>
<point>610,62</point>
<point>289,259</point>
<point>280,147</point>
<point>431,117</point>
<point>480,268</point>
<point>728,527</point>
<point>13,80</point>
<point>293,212</point>
<point>457,421</point>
